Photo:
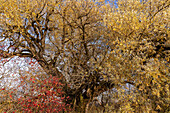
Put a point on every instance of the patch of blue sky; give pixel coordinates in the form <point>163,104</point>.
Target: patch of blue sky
<point>114,2</point>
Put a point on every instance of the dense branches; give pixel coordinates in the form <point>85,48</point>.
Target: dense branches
<point>94,47</point>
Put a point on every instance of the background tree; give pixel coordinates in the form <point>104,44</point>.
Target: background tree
<point>140,54</point>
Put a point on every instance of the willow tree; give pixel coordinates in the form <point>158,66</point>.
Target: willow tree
<point>66,37</point>
<point>140,54</point>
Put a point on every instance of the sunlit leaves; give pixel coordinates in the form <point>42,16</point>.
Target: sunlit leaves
<point>138,29</point>
<point>96,48</point>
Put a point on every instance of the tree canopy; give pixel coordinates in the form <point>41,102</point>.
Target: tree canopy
<point>121,52</point>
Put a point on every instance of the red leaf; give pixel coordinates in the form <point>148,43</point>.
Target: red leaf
<point>10,96</point>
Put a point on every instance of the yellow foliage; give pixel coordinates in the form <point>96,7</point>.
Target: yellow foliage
<point>98,46</point>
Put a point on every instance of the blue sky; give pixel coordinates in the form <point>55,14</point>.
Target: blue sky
<point>115,2</point>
